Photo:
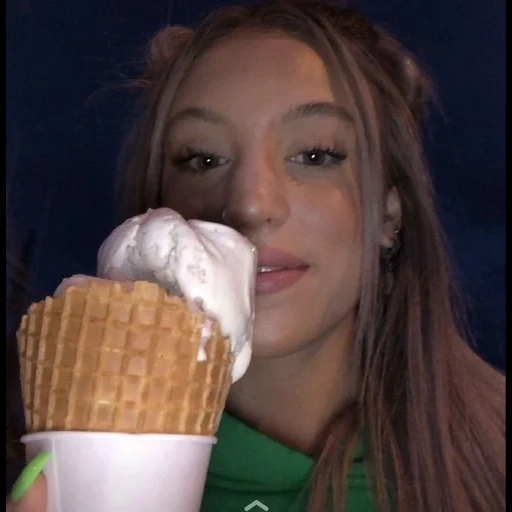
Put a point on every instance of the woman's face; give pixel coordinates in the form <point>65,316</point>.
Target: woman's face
<point>258,141</point>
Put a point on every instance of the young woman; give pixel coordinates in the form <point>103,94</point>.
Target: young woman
<point>299,124</point>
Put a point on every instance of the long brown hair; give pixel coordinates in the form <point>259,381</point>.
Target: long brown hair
<point>432,410</point>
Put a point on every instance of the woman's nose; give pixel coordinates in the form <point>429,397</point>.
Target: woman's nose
<point>258,196</point>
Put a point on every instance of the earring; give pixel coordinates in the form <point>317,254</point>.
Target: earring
<point>392,251</point>
<point>390,262</point>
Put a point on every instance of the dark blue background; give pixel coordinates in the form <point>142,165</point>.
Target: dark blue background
<point>66,117</point>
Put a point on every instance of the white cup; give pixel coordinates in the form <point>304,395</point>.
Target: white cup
<point>109,472</point>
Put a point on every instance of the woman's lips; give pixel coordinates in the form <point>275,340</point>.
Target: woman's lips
<point>274,281</point>
<point>278,270</point>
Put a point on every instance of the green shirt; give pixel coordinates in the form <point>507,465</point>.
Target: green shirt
<point>246,467</point>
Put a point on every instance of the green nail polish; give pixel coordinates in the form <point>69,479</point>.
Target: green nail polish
<point>28,476</point>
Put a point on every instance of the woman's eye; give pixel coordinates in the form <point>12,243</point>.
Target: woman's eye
<point>318,157</point>
<point>199,162</point>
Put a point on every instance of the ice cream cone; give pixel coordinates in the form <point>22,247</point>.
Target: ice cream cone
<point>111,357</point>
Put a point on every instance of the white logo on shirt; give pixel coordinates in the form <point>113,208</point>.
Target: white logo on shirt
<point>256,505</point>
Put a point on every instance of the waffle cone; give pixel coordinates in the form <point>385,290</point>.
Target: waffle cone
<point>105,357</point>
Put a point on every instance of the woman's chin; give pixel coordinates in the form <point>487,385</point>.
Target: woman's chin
<point>276,344</point>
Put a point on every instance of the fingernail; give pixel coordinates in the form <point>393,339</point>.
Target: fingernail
<point>28,476</point>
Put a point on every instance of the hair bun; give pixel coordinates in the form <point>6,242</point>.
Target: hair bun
<point>164,48</point>
<point>407,74</point>
<point>418,88</point>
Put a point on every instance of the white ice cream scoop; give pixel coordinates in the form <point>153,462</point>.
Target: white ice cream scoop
<point>209,264</point>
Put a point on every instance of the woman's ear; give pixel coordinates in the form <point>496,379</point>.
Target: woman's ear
<point>392,219</point>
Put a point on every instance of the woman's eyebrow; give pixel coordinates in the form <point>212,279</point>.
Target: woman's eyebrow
<point>316,109</point>
<point>197,113</point>
<point>303,111</point>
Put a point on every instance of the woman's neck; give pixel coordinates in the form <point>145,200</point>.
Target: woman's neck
<point>293,398</point>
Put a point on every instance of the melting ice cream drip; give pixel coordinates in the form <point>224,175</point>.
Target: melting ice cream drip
<point>206,333</point>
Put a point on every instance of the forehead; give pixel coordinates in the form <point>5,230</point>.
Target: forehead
<point>252,68</point>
